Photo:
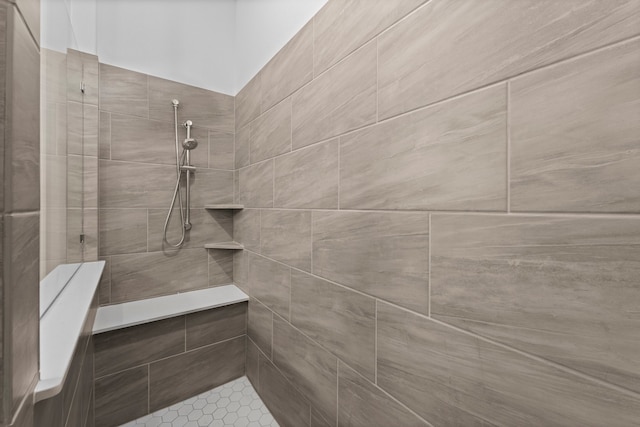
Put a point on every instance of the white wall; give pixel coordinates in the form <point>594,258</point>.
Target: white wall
<point>83,21</point>
<point>190,41</point>
<point>263,27</point>
<point>215,44</point>
<point>56,31</point>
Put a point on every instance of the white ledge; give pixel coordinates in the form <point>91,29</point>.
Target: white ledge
<point>61,326</point>
<point>133,313</point>
<point>234,246</point>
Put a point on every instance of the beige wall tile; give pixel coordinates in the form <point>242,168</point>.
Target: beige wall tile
<point>122,397</point>
<point>135,185</point>
<point>286,237</point>
<point>337,101</point>
<point>205,108</point>
<point>82,178</point>
<point>104,135</point>
<point>179,377</point>
<point>210,186</point>
<point>54,72</point>
<point>221,150</point>
<point>260,326</point>
<point>382,254</point>
<point>242,145</point>
<point>460,52</point>
<point>145,275</point>
<point>82,67</point>
<point>123,91</point>
<point>308,178</point>
<point>364,404</point>
<point>248,102</point>
<point>220,267</point>
<point>284,402</point>
<point>308,366</point>
<point>452,156</point>
<point>270,282</point>
<point>253,361</point>
<point>136,139</point>
<point>341,320</point>
<point>574,134</point>
<point>289,69</point>
<point>20,308</point>
<point>241,269</point>
<point>21,118</point>
<point>255,185</point>
<point>82,129</point>
<point>559,287</point>
<point>219,324</point>
<point>30,11</point>
<point>271,133</point>
<point>208,226</point>
<point>126,348</point>
<point>341,27</point>
<point>452,378</point>
<point>246,228</point>
<point>122,231</point>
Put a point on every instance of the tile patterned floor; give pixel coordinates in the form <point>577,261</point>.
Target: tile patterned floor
<point>234,404</point>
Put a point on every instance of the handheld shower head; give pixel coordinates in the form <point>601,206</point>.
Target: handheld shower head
<point>189,144</point>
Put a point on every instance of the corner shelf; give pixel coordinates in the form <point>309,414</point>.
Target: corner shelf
<point>227,207</point>
<point>234,246</point>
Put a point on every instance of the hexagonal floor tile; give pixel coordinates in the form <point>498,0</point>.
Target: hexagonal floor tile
<point>235,404</point>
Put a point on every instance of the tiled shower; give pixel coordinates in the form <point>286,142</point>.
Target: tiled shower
<point>437,205</point>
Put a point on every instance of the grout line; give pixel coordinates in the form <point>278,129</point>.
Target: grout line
<point>148,388</point>
<point>429,269</point>
<point>375,348</point>
<point>337,391</point>
<point>155,164</point>
<point>313,47</point>
<point>311,242</point>
<point>290,295</point>
<point>508,131</point>
<point>273,182</point>
<point>531,356</point>
<point>377,79</point>
<point>273,324</point>
<point>390,396</point>
<point>539,359</point>
<point>592,215</point>
<point>168,357</point>
<point>339,170</point>
<point>148,101</point>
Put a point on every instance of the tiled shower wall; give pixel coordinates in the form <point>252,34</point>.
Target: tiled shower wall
<point>137,176</point>
<point>442,223</point>
<point>19,208</point>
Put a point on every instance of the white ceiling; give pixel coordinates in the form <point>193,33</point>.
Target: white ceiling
<point>215,44</point>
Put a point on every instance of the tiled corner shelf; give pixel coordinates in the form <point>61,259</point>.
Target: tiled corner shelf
<point>225,207</point>
<point>234,246</point>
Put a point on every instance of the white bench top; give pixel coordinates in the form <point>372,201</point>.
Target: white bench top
<point>112,317</point>
<point>61,326</point>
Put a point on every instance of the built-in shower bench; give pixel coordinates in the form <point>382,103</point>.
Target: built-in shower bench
<point>153,353</point>
<point>133,313</point>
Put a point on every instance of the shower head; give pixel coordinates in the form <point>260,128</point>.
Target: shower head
<point>190,144</point>
<point>175,103</point>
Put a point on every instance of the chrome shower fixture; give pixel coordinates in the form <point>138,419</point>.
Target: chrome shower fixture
<point>183,165</point>
<point>189,143</point>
